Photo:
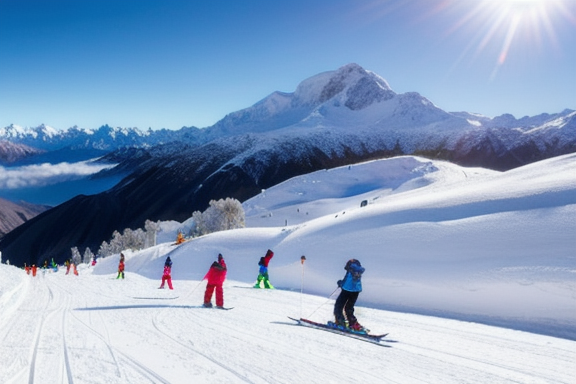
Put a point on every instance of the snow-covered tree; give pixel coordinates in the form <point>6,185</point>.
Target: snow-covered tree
<point>221,215</point>
<point>104,250</point>
<point>88,256</point>
<point>233,213</point>
<point>199,228</point>
<point>129,239</point>
<point>151,229</point>
<point>116,243</point>
<point>133,239</point>
<point>76,257</point>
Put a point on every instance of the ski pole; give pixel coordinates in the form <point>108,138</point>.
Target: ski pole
<point>193,289</point>
<point>321,305</point>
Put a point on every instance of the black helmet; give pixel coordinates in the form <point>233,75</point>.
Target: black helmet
<point>350,262</point>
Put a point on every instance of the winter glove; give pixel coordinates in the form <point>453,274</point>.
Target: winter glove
<point>339,282</point>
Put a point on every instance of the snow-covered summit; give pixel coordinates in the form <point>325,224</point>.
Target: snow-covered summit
<point>350,97</point>
<point>41,132</point>
<point>350,85</point>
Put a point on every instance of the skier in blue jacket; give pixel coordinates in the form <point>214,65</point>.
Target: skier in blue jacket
<point>351,286</point>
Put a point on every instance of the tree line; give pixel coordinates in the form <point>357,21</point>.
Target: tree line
<point>221,215</point>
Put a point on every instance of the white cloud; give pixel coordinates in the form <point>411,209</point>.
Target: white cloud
<point>38,175</point>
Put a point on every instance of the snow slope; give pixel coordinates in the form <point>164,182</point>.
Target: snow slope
<point>435,238</point>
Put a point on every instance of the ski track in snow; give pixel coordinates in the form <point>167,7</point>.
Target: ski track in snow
<point>90,329</point>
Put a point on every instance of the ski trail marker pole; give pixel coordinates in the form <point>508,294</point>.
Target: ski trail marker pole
<point>302,260</point>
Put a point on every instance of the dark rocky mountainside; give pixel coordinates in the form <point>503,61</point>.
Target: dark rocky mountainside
<point>13,215</point>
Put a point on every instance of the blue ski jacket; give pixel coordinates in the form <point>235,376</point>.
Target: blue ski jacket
<point>352,281</point>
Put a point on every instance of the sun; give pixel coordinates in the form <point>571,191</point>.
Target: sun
<point>524,24</point>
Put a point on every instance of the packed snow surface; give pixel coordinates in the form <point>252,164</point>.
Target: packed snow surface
<point>449,252</point>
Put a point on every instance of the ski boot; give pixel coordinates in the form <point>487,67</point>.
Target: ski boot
<point>339,323</point>
<point>356,327</point>
<point>207,305</point>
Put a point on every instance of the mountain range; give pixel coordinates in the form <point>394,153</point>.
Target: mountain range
<point>332,119</point>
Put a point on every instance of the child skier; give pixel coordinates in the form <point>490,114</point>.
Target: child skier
<point>166,276</point>
<point>351,286</point>
<point>180,238</point>
<point>263,279</point>
<point>121,267</point>
<point>215,276</point>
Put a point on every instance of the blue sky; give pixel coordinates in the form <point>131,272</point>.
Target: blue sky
<point>168,64</point>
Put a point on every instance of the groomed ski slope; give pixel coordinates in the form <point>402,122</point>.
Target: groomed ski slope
<point>460,243</point>
<point>96,329</point>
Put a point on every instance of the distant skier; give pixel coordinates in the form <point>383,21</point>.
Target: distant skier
<point>167,275</point>
<point>263,280</point>
<point>215,276</point>
<point>351,286</point>
<point>180,238</point>
<point>121,267</point>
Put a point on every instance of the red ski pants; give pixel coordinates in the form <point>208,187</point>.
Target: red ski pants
<point>166,279</point>
<point>219,294</point>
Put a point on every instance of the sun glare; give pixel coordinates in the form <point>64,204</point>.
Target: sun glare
<point>498,27</point>
<point>522,24</point>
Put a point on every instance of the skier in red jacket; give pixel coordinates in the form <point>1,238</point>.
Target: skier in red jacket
<point>120,267</point>
<point>215,276</point>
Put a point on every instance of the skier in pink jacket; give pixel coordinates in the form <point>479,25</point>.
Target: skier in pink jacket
<point>215,276</point>
<point>167,275</point>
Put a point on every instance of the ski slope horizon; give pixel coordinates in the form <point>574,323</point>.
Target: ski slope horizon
<point>435,238</point>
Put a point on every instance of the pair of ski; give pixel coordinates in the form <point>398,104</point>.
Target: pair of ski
<point>331,327</point>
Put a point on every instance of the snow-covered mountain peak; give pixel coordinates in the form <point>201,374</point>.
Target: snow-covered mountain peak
<point>41,132</point>
<point>350,85</point>
<point>12,131</point>
<point>46,130</point>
